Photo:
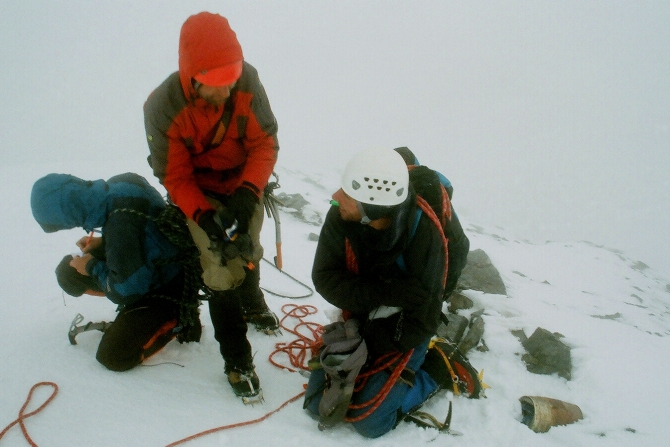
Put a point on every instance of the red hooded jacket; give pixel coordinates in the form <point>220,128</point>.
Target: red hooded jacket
<point>181,126</point>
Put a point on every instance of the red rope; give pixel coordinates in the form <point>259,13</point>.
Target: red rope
<point>298,349</point>
<point>378,398</point>
<point>23,416</point>
<point>425,207</point>
<point>239,424</point>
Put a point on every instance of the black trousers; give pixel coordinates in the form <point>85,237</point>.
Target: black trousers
<point>139,331</point>
<point>227,310</point>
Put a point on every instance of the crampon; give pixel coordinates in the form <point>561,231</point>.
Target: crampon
<point>265,322</point>
<point>246,386</point>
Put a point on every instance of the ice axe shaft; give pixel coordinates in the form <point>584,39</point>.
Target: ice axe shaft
<point>271,202</point>
<point>76,329</point>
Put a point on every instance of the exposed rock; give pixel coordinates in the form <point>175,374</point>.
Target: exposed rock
<point>294,201</point>
<point>613,316</point>
<point>455,329</point>
<point>296,205</point>
<point>547,354</point>
<point>520,334</point>
<point>480,274</point>
<point>458,301</point>
<point>474,334</point>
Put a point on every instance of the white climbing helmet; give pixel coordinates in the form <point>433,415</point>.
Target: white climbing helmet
<point>377,177</point>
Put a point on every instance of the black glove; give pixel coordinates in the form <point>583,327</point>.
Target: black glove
<point>206,222</point>
<point>242,205</point>
<point>241,246</point>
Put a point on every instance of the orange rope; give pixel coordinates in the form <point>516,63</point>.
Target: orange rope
<point>378,398</point>
<point>23,416</point>
<point>239,424</point>
<point>298,349</point>
<point>425,207</point>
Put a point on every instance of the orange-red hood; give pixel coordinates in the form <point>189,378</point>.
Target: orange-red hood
<point>206,42</point>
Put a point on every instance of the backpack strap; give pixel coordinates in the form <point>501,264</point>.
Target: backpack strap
<point>171,222</point>
<point>424,207</point>
<point>401,260</point>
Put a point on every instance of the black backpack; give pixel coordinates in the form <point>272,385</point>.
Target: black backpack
<point>437,191</point>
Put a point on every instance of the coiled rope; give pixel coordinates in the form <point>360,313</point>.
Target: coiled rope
<point>298,349</point>
<point>172,224</point>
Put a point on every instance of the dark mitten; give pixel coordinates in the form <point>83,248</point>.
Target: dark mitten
<point>206,222</point>
<point>240,246</point>
<point>71,281</point>
<point>242,204</point>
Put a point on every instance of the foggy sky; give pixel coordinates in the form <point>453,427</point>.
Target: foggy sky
<point>551,119</point>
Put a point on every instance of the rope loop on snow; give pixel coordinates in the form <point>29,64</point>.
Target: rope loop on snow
<point>298,349</point>
<point>23,416</point>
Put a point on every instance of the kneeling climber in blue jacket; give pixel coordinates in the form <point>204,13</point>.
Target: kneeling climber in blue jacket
<point>138,263</point>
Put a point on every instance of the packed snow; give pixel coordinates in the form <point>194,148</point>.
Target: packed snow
<point>612,311</point>
<point>551,121</point>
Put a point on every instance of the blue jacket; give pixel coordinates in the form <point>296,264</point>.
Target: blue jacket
<point>129,266</point>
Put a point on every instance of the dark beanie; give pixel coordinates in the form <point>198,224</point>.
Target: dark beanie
<point>73,282</point>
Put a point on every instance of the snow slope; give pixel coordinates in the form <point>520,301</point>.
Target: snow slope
<point>613,312</point>
<point>550,118</point>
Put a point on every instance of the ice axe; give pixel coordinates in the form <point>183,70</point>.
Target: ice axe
<point>270,201</point>
<point>75,329</point>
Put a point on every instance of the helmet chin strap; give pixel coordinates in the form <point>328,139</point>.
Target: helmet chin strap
<point>365,220</point>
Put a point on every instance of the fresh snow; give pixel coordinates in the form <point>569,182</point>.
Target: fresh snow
<point>614,315</point>
<point>551,120</point>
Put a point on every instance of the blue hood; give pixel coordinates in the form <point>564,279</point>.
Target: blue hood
<point>63,201</point>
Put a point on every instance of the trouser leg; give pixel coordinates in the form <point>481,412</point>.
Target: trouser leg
<point>138,332</point>
<point>315,387</point>
<point>230,329</point>
<point>385,417</point>
<point>251,295</point>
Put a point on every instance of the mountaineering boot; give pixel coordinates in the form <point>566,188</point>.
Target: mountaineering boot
<point>254,308</point>
<point>451,370</point>
<point>263,320</point>
<point>245,384</point>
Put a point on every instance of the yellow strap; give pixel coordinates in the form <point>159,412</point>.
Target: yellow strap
<point>454,377</point>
